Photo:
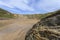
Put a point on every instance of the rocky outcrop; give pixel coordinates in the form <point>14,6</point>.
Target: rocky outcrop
<point>46,29</point>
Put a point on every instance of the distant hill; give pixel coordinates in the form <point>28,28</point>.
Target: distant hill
<point>5,14</point>
<point>40,16</point>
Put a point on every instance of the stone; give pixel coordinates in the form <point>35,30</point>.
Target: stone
<point>47,28</point>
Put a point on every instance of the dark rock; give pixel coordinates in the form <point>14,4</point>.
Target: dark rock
<point>47,29</point>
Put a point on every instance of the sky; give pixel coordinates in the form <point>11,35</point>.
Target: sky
<point>30,6</point>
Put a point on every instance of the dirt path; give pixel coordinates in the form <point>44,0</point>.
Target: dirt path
<point>16,30</point>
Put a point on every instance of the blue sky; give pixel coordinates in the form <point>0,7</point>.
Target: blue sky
<point>30,6</point>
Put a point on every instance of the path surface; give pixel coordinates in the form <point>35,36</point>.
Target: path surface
<point>16,30</point>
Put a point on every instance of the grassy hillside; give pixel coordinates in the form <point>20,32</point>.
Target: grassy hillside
<point>40,16</point>
<point>5,14</point>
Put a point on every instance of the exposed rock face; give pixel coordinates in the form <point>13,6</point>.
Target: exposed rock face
<point>47,29</point>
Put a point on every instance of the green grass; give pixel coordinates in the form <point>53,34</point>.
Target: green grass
<point>40,16</point>
<point>5,14</point>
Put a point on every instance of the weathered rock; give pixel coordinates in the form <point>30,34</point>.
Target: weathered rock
<point>47,29</point>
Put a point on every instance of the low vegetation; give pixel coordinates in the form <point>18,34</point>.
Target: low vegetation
<point>5,14</point>
<point>39,16</point>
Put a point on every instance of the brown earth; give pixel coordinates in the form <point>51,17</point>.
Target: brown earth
<point>15,29</point>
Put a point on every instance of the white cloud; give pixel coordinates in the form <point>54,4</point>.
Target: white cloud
<point>5,4</point>
<point>32,5</point>
<point>49,5</point>
<point>21,4</point>
<point>26,1</point>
